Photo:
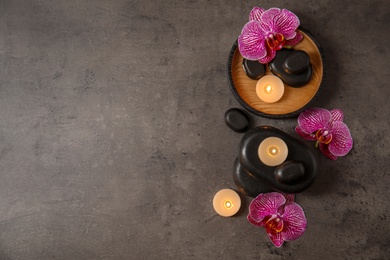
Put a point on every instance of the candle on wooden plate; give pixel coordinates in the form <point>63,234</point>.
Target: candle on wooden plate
<point>226,202</point>
<point>270,88</point>
<point>272,151</point>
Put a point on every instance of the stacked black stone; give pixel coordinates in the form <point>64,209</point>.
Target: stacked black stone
<point>289,172</point>
<point>292,66</point>
<point>252,177</point>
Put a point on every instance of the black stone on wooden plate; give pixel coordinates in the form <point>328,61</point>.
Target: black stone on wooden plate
<point>289,172</point>
<point>238,82</point>
<point>236,120</point>
<point>296,62</point>
<point>253,69</point>
<point>246,183</point>
<point>291,66</point>
<point>297,151</point>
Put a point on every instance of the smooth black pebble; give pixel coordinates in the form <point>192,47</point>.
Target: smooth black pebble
<point>278,65</point>
<point>289,172</point>
<point>236,120</point>
<point>296,62</point>
<point>248,184</point>
<point>253,69</point>
<point>298,153</point>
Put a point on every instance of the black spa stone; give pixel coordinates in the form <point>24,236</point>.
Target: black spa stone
<point>253,69</point>
<point>246,183</point>
<point>291,76</point>
<point>236,120</point>
<point>297,151</point>
<point>289,172</point>
<point>296,62</point>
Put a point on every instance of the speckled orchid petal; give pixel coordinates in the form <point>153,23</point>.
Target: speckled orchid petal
<point>313,119</point>
<point>269,17</point>
<point>256,13</point>
<point>276,238</point>
<point>267,58</point>
<point>336,115</point>
<point>291,42</point>
<point>254,222</point>
<point>281,21</point>
<point>289,199</point>
<point>251,41</point>
<point>324,148</point>
<point>294,220</point>
<point>342,140</point>
<point>310,137</point>
<point>264,205</point>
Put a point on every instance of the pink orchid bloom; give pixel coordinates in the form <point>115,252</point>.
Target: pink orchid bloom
<point>327,128</point>
<point>283,219</point>
<point>267,32</point>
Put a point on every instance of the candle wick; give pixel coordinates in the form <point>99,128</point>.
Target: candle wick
<point>228,204</point>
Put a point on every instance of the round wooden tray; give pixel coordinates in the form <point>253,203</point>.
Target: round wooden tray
<point>294,100</point>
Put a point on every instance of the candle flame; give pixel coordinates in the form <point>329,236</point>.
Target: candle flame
<point>228,204</point>
<point>268,89</point>
<point>273,150</point>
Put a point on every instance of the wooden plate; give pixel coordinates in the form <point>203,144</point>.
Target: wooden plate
<point>294,100</point>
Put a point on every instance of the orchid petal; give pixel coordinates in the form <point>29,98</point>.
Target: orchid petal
<point>251,42</point>
<point>291,42</point>
<point>281,21</point>
<point>310,137</point>
<point>254,222</point>
<point>341,139</point>
<point>289,197</point>
<point>276,238</point>
<point>324,148</point>
<point>256,13</point>
<point>294,220</point>
<point>313,119</point>
<point>270,56</point>
<point>337,115</point>
<point>264,205</point>
<point>268,19</point>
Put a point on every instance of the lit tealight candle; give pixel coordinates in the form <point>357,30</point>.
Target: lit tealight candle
<point>226,202</point>
<point>273,151</point>
<point>270,88</point>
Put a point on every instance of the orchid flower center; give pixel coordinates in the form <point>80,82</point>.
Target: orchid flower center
<point>275,41</point>
<point>323,136</point>
<point>274,224</point>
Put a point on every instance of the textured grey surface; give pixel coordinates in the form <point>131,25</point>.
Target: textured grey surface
<point>112,140</point>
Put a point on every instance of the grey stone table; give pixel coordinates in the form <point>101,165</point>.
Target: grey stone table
<point>113,141</point>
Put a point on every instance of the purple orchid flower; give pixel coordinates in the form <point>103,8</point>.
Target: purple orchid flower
<point>327,128</point>
<point>267,32</point>
<point>283,219</point>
